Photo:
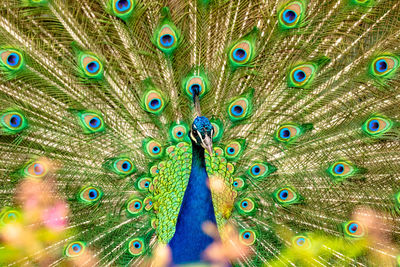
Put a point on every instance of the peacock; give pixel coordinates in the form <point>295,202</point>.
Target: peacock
<point>179,124</point>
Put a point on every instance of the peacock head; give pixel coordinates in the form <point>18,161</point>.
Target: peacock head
<point>202,133</point>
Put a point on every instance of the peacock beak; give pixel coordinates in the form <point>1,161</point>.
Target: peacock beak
<point>206,143</point>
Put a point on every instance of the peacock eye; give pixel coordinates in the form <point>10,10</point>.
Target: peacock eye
<point>74,249</point>
<point>13,122</point>
<point>136,247</point>
<point>301,75</point>
<point>11,59</point>
<point>287,133</point>
<point>247,237</point>
<point>353,229</point>
<point>238,109</point>
<point>246,206</point>
<point>376,126</point>
<point>341,170</point>
<point>36,169</point>
<point>286,196</point>
<point>240,53</point>
<point>134,206</point>
<point>384,66</point>
<point>233,150</point>
<point>167,38</point>
<point>153,102</point>
<point>238,183</point>
<point>260,170</point>
<point>301,241</point>
<point>123,166</point>
<point>123,8</point>
<point>9,216</point>
<point>148,203</point>
<point>153,148</point>
<point>90,195</point>
<point>290,16</point>
<point>143,184</point>
<point>91,66</point>
<point>217,130</point>
<point>91,122</point>
<point>178,132</point>
<point>196,83</point>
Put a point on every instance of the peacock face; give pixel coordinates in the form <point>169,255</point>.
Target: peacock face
<point>202,132</point>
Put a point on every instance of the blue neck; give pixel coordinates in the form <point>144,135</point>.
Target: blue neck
<point>189,241</point>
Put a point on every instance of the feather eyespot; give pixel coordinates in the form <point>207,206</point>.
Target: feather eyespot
<point>153,148</point>
<point>90,195</point>
<point>74,249</point>
<point>238,109</point>
<point>148,203</point>
<point>178,132</point>
<point>167,38</point>
<point>144,184</point>
<point>286,196</point>
<point>218,130</point>
<point>123,8</point>
<point>136,247</point>
<point>91,66</point>
<point>353,229</point>
<point>134,207</point>
<point>195,83</point>
<point>340,170</point>
<point>233,150</point>
<point>154,102</point>
<point>238,183</point>
<point>123,166</point>
<point>259,170</point>
<point>246,206</point>
<point>11,59</point>
<point>247,237</point>
<point>384,66</point>
<point>36,169</point>
<point>240,54</point>
<point>9,216</point>
<point>13,122</point>
<point>290,16</point>
<point>287,133</point>
<point>301,241</point>
<point>301,75</point>
<point>376,126</point>
<point>91,122</point>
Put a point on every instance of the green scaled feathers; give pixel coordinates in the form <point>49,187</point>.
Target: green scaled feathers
<point>122,166</point>
<point>291,14</point>
<point>166,36</point>
<point>12,121</point>
<point>242,52</point>
<point>89,195</point>
<point>241,107</point>
<point>122,9</point>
